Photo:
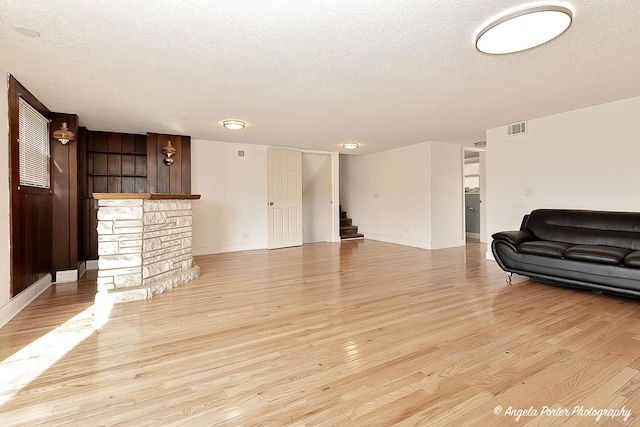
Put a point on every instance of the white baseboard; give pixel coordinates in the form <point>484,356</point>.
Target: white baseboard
<point>489,256</point>
<point>23,299</point>
<point>209,250</point>
<point>91,264</point>
<point>448,244</point>
<point>398,240</point>
<point>64,276</point>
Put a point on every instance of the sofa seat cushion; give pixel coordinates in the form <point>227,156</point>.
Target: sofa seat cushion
<point>543,248</point>
<point>597,254</point>
<point>632,260</point>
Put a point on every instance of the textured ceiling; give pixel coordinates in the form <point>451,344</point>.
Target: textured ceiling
<point>384,73</point>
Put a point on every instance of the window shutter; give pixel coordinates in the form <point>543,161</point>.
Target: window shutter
<point>33,145</point>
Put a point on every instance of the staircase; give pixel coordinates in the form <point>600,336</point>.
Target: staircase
<point>347,229</point>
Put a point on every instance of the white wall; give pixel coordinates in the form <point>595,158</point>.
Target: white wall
<point>232,212</point>
<point>5,285</point>
<point>582,159</point>
<point>316,198</point>
<point>401,179</point>
<point>447,198</point>
<point>419,194</point>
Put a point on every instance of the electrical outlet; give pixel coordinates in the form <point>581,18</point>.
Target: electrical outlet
<point>240,153</point>
<point>376,195</point>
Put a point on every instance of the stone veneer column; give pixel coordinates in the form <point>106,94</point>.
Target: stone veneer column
<point>144,247</point>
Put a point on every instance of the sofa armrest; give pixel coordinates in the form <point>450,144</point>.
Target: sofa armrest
<point>514,237</point>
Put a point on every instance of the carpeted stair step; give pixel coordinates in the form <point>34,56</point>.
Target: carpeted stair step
<point>347,229</point>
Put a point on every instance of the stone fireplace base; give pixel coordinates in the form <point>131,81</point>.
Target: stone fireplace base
<point>144,244</point>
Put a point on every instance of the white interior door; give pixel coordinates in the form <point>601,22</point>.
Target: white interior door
<point>284,183</point>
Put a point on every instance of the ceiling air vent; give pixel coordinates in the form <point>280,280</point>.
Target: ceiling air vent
<point>481,144</point>
<point>517,128</point>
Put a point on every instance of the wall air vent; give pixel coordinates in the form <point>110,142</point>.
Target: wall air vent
<point>517,128</point>
<point>481,144</point>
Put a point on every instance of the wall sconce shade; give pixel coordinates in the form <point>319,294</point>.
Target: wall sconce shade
<point>64,135</point>
<point>234,124</point>
<point>168,150</point>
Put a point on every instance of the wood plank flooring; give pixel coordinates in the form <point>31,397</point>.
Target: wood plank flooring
<point>361,333</point>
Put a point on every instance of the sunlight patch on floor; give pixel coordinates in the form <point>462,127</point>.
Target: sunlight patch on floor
<point>20,369</point>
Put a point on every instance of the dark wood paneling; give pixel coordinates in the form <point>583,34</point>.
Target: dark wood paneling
<point>164,173</point>
<point>128,143</point>
<point>35,235</point>
<point>100,163</point>
<point>114,164</point>
<point>83,191</point>
<point>175,175</point>
<point>141,185</point>
<point>128,165</point>
<point>100,184</point>
<point>100,141</point>
<point>91,212</point>
<point>74,125</point>
<point>113,185</point>
<point>128,184</point>
<point>114,142</point>
<point>152,162</point>
<point>64,184</point>
<point>141,144</point>
<point>174,179</point>
<point>185,165</point>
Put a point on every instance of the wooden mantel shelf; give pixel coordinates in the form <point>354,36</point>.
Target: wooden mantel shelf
<point>145,196</point>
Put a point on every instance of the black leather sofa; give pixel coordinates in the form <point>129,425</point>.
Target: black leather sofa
<point>588,249</point>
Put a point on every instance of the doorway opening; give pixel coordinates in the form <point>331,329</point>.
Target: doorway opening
<point>320,183</point>
<point>473,195</point>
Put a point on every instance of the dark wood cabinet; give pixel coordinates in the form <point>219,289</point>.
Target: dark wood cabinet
<point>111,162</point>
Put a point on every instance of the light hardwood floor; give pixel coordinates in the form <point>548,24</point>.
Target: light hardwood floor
<point>358,333</point>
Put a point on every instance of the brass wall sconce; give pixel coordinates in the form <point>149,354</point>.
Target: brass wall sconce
<point>64,135</point>
<point>168,150</point>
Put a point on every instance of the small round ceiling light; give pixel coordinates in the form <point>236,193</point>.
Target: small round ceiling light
<point>523,30</point>
<point>350,145</point>
<point>234,124</point>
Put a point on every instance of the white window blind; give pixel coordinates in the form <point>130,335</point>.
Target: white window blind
<point>33,146</point>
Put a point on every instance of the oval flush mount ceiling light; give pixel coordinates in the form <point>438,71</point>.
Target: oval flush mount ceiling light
<point>350,145</point>
<point>523,30</point>
<point>234,124</point>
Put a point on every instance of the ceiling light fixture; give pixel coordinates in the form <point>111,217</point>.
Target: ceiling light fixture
<point>234,124</point>
<point>523,30</point>
<point>64,135</point>
<point>350,145</point>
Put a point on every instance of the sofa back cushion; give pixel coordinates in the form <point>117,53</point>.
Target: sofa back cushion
<point>578,227</point>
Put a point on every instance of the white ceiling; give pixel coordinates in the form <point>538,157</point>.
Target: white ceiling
<point>385,73</point>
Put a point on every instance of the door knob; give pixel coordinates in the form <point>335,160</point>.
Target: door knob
<point>270,203</point>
